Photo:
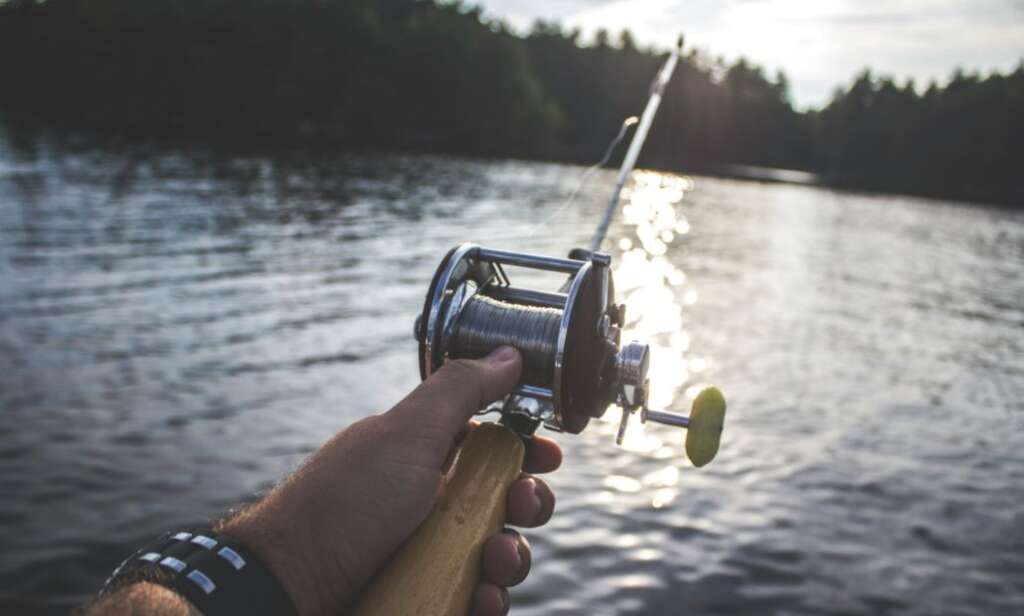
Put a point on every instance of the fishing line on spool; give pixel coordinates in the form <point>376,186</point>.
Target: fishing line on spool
<point>485,323</point>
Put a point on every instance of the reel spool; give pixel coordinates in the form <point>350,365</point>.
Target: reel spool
<point>574,364</point>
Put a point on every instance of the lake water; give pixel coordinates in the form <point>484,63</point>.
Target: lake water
<point>179,329</point>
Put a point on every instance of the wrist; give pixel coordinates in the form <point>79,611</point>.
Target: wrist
<point>211,572</point>
<point>283,552</point>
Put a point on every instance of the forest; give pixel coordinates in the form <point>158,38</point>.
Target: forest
<point>422,75</point>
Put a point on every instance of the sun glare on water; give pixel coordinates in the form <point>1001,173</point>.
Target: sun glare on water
<point>656,293</point>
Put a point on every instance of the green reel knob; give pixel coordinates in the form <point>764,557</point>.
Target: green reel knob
<point>707,418</point>
<point>704,425</point>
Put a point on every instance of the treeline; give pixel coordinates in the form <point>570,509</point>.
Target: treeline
<point>960,141</point>
<point>429,76</point>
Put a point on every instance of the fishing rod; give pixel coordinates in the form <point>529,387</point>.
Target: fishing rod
<point>629,162</point>
<point>575,366</point>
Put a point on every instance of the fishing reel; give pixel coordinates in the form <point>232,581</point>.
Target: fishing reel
<point>574,363</point>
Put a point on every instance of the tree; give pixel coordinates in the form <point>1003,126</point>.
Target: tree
<point>626,41</point>
<point>436,76</point>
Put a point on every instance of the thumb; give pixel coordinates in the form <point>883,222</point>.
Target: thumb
<point>447,399</point>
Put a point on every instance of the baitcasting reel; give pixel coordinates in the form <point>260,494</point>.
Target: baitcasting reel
<point>574,365</point>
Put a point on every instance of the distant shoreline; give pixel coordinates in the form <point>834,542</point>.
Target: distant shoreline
<point>79,140</point>
<point>440,77</point>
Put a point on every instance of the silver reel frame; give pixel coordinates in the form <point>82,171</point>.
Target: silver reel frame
<point>469,269</point>
<point>471,264</point>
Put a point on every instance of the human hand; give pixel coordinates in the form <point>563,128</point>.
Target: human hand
<point>328,528</point>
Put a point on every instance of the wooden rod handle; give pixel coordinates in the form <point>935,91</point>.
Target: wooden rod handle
<point>435,571</point>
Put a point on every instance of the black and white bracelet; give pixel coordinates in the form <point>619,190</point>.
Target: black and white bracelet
<point>217,576</point>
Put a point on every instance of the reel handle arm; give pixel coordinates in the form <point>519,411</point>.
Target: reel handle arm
<point>666,418</point>
<point>438,567</point>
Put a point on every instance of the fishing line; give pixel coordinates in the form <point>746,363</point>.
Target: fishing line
<point>658,87</point>
<point>626,124</point>
<point>643,125</point>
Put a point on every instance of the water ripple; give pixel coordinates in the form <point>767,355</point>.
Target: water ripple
<point>190,325</point>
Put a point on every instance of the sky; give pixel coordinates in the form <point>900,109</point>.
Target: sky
<point>820,44</point>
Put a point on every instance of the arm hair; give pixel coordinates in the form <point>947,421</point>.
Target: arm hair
<point>142,599</point>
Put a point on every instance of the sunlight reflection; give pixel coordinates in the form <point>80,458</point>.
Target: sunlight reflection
<point>663,497</point>
<point>627,541</point>
<point>665,453</point>
<point>656,293</point>
<point>636,580</point>
<point>646,554</point>
<point>639,440</point>
<point>621,483</point>
<point>650,283</point>
<point>667,476</point>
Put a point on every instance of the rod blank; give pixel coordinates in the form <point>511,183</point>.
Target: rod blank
<point>657,91</point>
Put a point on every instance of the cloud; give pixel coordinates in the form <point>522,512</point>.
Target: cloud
<point>819,44</point>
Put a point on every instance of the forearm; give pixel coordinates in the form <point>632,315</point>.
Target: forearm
<point>314,542</point>
<point>142,599</point>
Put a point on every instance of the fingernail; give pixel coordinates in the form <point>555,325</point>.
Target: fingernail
<point>522,553</point>
<point>502,355</point>
<point>541,494</point>
<point>506,600</point>
<point>519,546</point>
